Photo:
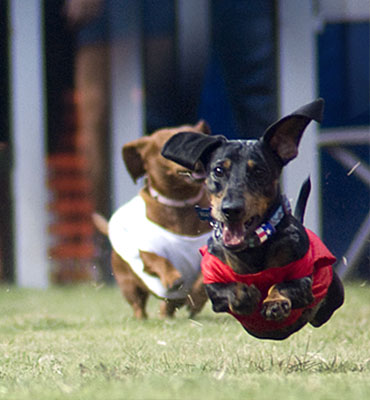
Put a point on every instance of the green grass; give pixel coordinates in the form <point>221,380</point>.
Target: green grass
<point>82,343</point>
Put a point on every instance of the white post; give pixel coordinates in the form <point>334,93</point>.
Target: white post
<point>297,87</point>
<point>127,109</point>
<point>28,131</point>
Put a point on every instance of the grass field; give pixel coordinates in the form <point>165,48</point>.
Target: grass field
<point>82,343</point>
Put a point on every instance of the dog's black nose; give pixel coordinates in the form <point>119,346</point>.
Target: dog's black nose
<point>232,210</point>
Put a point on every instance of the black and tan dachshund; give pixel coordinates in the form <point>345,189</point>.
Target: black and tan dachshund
<point>261,265</point>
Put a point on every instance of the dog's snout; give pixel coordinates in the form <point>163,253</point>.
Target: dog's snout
<point>232,209</point>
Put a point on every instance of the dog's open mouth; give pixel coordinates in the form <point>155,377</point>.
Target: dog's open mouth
<point>235,233</point>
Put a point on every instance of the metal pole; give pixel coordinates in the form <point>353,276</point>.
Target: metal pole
<point>28,142</point>
<point>297,85</point>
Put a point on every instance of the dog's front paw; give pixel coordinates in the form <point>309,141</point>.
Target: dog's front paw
<point>276,310</point>
<point>197,297</point>
<point>243,299</point>
<point>175,285</point>
<point>276,307</point>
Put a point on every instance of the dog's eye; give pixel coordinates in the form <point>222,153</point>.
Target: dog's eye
<point>257,173</point>
<point>260,174</point>
<point>219,172</point>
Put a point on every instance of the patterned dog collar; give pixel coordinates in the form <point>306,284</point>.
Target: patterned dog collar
<point>262,233</point>
<point>267,229</point>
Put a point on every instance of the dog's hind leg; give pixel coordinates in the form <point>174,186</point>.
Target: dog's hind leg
<point>134,292</point>
<point>138,302</point>
<point>136,297</point>
<point>333,300</point>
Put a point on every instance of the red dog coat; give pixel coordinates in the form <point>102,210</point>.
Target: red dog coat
<point>317,262</point>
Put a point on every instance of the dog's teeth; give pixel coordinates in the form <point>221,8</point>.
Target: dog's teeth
<point>233,234</point>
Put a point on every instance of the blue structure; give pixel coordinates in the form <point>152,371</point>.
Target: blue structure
<point>344,69</point>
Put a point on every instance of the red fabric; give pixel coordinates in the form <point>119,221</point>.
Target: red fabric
<point>317,262</point>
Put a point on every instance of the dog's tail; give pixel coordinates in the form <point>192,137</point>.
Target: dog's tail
<point>100,222</point>
<point>300,207</point>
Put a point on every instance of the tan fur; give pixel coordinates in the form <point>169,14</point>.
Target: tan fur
<point>257,205</point>
<point>161,267</point>
<point>100,223</point>
<point>227,164</point>
<point>275,298</point>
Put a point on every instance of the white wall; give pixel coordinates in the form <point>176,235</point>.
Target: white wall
<point>344,10</point>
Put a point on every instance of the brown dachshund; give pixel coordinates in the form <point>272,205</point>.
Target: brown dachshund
<point>156,236</point>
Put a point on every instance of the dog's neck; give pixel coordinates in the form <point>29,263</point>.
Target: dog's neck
<point>288,243</point>
<point>179,220</point>
<point>166,201</point>
<point>268,250</point>
<point>268,228</point>
<point>264,231</point>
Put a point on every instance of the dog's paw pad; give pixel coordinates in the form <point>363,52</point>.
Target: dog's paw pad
<point>276,310</point>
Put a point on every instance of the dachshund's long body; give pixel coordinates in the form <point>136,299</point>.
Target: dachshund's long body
<point>156,235</point>
<point>261,265</point>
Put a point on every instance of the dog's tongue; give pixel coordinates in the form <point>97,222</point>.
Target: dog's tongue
<point>233,234</point>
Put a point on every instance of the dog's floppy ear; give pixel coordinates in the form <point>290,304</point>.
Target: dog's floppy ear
<point>187,148</point>
<point>132,157</point>
<point>284,135</point>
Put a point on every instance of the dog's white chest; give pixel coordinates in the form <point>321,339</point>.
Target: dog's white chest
<point>130,231</point>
